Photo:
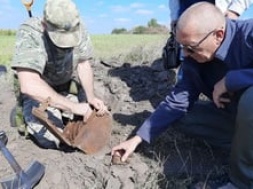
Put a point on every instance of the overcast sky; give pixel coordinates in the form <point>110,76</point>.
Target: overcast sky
<point>100,17</point>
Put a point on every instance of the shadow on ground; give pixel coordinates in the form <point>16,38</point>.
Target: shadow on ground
<point>144,87</point>
<point>183,159</point>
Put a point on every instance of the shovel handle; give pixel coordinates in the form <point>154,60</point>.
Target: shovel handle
<point>9,157</point>
<point>28,4</point>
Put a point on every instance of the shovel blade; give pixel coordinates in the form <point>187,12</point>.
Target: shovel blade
<point>27,179</point>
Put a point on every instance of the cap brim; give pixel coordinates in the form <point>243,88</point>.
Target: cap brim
<point>65,39</point>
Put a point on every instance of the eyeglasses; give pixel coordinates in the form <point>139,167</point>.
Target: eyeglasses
<point>192,48</point>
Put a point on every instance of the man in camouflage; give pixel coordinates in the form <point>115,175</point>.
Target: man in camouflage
<point>49,55</point>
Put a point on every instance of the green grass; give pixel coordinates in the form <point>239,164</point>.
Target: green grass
<point>108,46</point>
<point>6,49</point>
<point>131,47</point>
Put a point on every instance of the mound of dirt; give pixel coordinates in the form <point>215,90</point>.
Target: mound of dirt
<point>132,91</point>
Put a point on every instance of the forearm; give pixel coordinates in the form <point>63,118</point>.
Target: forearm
<point>32,85</point>
<point>85,74</point>
<point>43,91</point>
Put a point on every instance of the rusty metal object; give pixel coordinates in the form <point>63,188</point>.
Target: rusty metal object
<point>116,160</point>
<point>90,136</point>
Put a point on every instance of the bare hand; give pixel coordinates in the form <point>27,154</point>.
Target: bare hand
<point>81,108</point>
<point>87,114</point>
<point>219,90</point>
<point>125,149</point>
<point>99,106</point>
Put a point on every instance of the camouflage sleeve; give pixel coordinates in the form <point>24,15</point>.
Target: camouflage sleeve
<point>29,50</point>
<point>85,47</point>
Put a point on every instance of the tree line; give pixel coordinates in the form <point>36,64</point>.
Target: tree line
<point>152,28</point>
<point>7,32</point>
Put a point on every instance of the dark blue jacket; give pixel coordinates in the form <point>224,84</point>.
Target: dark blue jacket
<point>184,4</point>
<point>233,60</point>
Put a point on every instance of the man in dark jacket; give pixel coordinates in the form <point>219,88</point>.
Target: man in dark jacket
<point>218,63</point>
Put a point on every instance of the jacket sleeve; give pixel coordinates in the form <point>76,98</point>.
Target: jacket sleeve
<point>239,79</point>
<point>174,9</point>
<point>85,46</point>
<point>173,107</point>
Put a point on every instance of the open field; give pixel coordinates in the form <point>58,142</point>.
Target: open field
<point>6,48</point>
<point>105,46</point>
<point>124,86</point>
<point>108,46</point>
<point>128,72</point>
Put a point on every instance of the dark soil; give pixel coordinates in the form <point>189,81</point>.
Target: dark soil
<point>132,92</point>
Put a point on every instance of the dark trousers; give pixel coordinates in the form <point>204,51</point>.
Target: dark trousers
<point>231,128</point>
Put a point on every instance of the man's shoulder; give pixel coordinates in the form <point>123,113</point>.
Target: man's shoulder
<point>30,47</point>
<point>84,32</point>
<point>33,25</point>
<point>31,31</point>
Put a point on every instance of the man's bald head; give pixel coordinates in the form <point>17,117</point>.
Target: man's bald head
<point>200,30</point>
<point>201,17</point>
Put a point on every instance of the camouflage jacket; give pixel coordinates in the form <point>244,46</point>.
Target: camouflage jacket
<point>33,51</point>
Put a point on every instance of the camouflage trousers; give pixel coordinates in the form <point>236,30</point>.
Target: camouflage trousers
<point>38,132</point>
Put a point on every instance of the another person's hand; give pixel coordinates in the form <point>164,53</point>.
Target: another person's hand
<point>99,106</point>
<point>125,149</point>
<point>219,90</point>
<point>231,14</point>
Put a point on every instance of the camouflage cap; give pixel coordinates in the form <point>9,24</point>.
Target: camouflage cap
<point>62,22</point>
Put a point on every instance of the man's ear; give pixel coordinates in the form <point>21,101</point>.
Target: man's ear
<point>219,36</point>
